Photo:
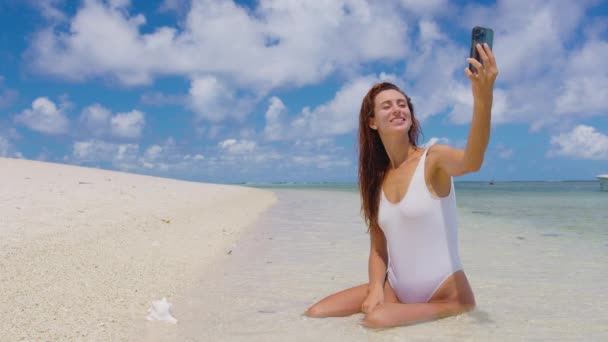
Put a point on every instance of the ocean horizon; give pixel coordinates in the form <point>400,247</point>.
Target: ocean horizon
<point>561,185</point>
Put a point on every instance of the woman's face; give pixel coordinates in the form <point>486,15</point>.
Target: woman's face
<point>391,113</point>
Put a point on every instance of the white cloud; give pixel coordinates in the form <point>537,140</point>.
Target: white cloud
<point>196,157</point>
<point>338,116</point>
<point>530,36</point>
<point>275,116</point>
<point>234,56</point>
<point>586,85</point>
<point>326,145</point>
<point>48,9</point>
<point>100,121</point>
<point>207,97</point>
<point>213,100</point>
<point>234,146</point>
<point>153,152</point>
<point>462,110</point>
<point>331,36</point>
<point>434,70</point>
<point>429,31</point>
<point>425,7</point>
<point>247,133</point>
<point>266,52</point>
<point>583,142</point>
<point>341,114</point>
<point>44,117</point>
<point>126,152</point>
<point>321,161</point>
<point>530,88</point>
<point>435,140</point>
<point>277,43</point>
<point>287,154</point>
<point>96,119</point>
<point>211,132</point>
<point>101,151</point>
<point>234,156</point>
<point>128,125</point>
<point>119,4</point>
<point>178,6</point>
<point>160,157</point>
<point>244,155</point>
<point>101,41</point>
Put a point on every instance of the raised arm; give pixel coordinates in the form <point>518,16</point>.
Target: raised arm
<point>457,162</point>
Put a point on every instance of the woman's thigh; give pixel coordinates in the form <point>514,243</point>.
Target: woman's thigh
<point>455,288</point>
<point>347,302</point>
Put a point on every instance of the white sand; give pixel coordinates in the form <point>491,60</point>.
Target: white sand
<point>84,252</point>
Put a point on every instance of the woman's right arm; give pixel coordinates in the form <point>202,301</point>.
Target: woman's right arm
<point>378,258</point>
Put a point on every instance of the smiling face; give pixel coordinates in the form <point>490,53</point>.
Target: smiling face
<point>391,113</point>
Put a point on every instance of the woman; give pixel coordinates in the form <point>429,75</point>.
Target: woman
<point>409,204</point>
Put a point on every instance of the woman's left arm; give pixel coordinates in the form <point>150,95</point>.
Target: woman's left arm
<point>457,162</point>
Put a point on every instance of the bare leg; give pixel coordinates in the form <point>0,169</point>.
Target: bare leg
<point>396,314</point>
<point>347,302</point>
<point>452,298</point>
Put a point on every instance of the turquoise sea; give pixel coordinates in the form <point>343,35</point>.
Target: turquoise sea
<point>565,206</point>
<point>560,206</point>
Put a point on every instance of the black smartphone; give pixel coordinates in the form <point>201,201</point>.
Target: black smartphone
<point>480,35</point>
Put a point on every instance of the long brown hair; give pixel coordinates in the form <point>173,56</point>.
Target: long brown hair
<point>373,160</point>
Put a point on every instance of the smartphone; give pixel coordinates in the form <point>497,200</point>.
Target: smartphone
<point>480,35</point>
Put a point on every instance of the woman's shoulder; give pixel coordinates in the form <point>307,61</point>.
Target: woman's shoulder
<point>439,150</point>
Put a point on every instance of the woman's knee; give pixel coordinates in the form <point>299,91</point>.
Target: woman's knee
<point>315,311</point>
<point>376,319</point>
<point>465,303</point>
<point>468,306</point>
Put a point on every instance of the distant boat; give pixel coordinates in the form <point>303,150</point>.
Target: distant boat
<point>603,182</point>
<point>492,182</point>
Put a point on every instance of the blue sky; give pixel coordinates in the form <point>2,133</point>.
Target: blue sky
<point>269,91</point>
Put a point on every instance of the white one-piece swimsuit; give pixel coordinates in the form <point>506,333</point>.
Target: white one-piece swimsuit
<point>421,235</point>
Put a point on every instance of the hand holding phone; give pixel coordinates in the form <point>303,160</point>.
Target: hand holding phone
<point>480,35</point>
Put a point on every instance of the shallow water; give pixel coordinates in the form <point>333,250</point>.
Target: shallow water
<point>534,277</point>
